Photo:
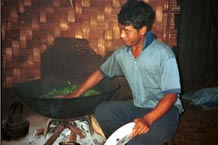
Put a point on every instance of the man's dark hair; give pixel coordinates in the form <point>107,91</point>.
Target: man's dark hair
<point>137,14</point>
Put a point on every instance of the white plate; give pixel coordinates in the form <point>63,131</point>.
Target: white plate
<point>121,135</point>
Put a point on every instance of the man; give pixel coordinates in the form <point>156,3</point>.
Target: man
<point>151,70</point>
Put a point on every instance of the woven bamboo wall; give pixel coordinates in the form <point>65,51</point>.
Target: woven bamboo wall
<point>30,26</point>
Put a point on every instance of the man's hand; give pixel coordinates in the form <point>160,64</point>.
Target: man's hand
<point>142,124</point>
<point>141,127</point>
<point>67,96</point>
<point>59,97</point>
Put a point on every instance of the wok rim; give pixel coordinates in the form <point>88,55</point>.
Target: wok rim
<point>117,87</point>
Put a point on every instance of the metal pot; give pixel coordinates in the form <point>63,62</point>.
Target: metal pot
<point>65,108</point>
<point>15,126</point>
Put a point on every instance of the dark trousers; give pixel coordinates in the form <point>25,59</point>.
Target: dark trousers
<point>112,115</point>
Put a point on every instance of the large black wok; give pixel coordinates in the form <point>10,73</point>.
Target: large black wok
<point>65,108</point>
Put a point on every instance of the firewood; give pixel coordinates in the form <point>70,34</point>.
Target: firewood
<point>72,137</point>
<point>54,136</point>
<point>96,127</point>
<point>39,131</point>
<point>76,130</point>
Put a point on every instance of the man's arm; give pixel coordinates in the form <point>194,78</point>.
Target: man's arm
<point>143,124</point>
<point>90,82</point>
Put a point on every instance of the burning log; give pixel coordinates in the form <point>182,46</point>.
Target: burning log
<point>76,131</point>
<point>72,137</point>
<point>39,131</point>
<point>54,136</point>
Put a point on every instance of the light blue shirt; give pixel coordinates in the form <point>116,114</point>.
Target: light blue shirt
<point>151,75</point>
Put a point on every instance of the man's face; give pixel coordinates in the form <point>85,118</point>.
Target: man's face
<point>129,35</point>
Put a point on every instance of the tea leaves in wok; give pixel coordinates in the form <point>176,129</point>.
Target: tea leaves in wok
<point>68,89</point>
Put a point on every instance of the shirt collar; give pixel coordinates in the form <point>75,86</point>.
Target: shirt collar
<point>148,40</point>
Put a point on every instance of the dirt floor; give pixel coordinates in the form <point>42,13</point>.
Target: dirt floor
<point>197,127</point>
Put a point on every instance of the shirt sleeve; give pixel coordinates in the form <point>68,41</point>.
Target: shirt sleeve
<point>170,81</point>
<point>111,67</point>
